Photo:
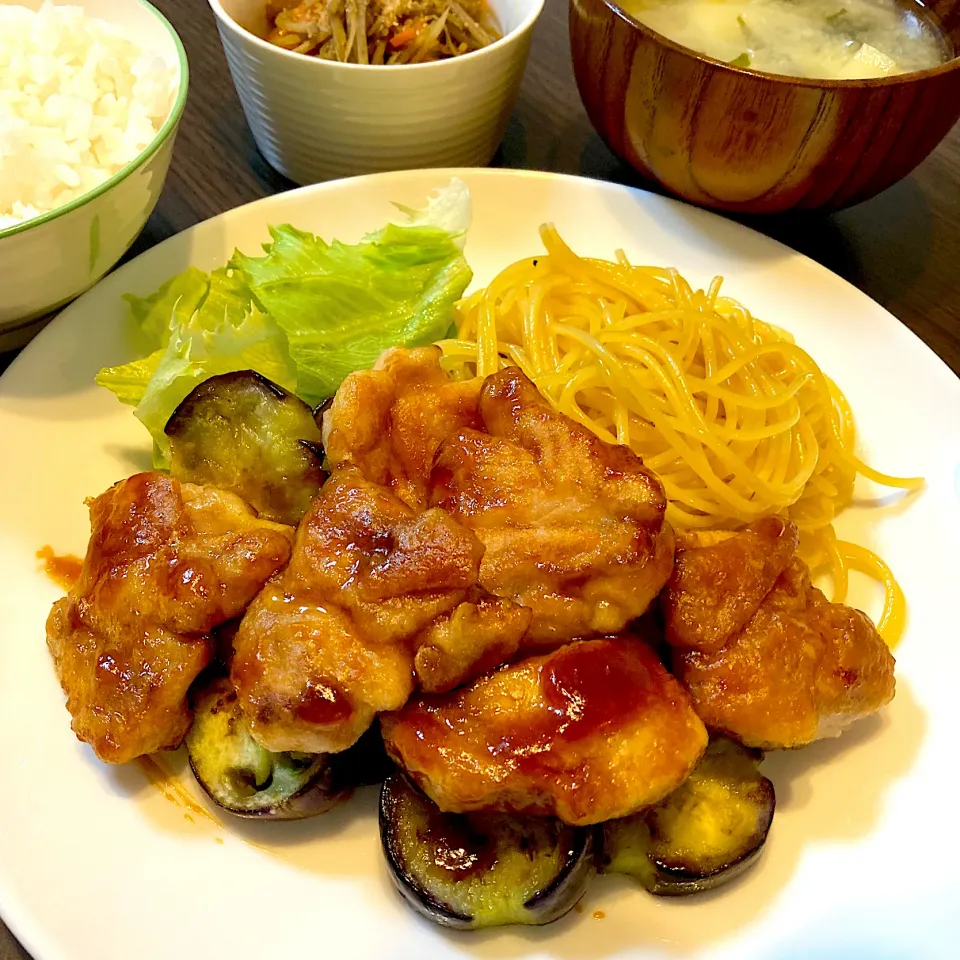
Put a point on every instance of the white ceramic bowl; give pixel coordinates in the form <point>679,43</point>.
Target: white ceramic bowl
<point>316,120</point>
<point>49,260</point>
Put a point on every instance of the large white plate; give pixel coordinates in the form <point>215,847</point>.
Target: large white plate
<point>864,855</point>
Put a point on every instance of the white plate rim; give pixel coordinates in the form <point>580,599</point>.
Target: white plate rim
<point>18,916</point>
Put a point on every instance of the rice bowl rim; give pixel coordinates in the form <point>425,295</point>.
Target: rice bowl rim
<point>169,125</point>
<point>529,19</point>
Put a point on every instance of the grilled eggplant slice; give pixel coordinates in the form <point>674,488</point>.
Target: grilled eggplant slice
<point>243,433</point>
<point>243,778</point>
<point>469,871</point>
<point>705,833</point>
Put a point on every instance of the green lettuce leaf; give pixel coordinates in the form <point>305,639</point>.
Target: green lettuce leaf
<point>341,305</point>
<point>304,315</point>
<point>175,302</point>
<point>129,381</point>
<point>225,332</point>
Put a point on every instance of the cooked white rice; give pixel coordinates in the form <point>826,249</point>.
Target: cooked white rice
<point>79,99</point>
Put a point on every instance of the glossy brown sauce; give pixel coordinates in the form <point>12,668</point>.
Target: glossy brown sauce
<point>441,492</point>
<point>457,848</point>
<point>246,672</point>
<point>598,915</point>
<point>63,571</point>
<point>110,671</point>
<point>323,703</point>
<point>589,688</point>
<point>593,688</point>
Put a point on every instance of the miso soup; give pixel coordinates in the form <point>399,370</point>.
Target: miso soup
<point>827,39</point>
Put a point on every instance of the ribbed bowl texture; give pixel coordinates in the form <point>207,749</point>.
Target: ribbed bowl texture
<point>316,120</point>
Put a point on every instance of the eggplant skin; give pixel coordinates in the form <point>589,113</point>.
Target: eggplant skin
<point>248,781</point>
<point>707,832</point>
<point>243,433</point>
<point>477,870</point>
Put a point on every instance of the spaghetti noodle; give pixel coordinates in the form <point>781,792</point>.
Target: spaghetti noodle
<point>736,419</point>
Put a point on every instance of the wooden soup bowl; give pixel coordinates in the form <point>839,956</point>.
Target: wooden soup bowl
<point>733,139</point>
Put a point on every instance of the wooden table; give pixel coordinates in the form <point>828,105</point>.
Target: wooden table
<point>902,248</point>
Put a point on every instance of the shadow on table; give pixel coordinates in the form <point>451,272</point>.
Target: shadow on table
<point>575,149</point>
<point>864,244</point>
<point>10,948</point>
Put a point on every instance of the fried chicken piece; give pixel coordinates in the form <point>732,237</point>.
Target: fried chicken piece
<point>482,633</point>
<point>166,563</point>
<point>333,640</point>
<point>573,526</point>
<point>389,421</point>
<point>716,589</point>
<point>766,658</point>
<point>592,731</point>
<point>126,694</point>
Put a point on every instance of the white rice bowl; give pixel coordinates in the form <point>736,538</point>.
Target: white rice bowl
<point>79,100</point>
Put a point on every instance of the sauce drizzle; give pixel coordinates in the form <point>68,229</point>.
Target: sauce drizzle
<point>172,789</point>
<point>590,687</point>
<point>63,571</point>
<point>323,703</point>
<point>596,686</point>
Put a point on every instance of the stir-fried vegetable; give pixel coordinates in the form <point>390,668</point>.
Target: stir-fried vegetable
<point>246,780</point>
<point>242,433</point>
<point>704,834</point>
<point>381,31</point>
<point>470,871</point>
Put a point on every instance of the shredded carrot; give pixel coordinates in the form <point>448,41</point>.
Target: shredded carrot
<point>382,32</point>
<point>404,37</point>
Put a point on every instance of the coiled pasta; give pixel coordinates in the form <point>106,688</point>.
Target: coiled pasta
<point>736,419</point>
